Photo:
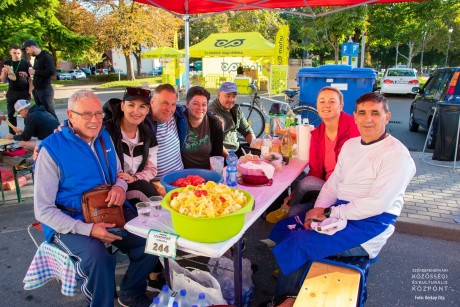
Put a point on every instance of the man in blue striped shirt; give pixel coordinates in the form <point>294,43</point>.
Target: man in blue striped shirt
<point>170,127</point>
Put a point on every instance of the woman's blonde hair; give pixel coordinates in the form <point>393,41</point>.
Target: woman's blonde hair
<point>333,89</point>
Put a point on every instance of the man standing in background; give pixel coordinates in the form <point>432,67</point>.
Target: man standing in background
<point>41,73</point>
<point>19,87</point>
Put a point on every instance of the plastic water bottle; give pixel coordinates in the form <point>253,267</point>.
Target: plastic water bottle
<point>202,301</point>
<point>232,172</point>
<point>164,296</point>
<point>156,302</point>
<point>182,300</point>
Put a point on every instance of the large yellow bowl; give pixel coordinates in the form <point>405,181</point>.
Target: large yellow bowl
<point>206,229</point>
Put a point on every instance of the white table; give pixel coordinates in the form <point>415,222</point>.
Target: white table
<point>263,196</point>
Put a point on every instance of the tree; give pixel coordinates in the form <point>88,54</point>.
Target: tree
<point>37,20</point>
<point>326,33</point>
<point>130,27</point>
<point>413,25</point>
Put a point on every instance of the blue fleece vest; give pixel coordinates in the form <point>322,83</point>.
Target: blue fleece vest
<point>80,169</point>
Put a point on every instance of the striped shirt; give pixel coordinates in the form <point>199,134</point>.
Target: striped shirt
<point>169,158</point>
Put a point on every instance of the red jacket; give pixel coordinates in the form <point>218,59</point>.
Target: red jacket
<point>347,130</point>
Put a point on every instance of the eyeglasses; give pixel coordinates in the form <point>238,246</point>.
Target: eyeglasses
<point>137,92</point>
<point>89,115</point>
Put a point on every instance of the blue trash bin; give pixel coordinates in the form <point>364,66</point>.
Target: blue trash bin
<point>353,82</point>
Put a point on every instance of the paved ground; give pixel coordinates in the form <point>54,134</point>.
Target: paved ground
<point>431,207</point>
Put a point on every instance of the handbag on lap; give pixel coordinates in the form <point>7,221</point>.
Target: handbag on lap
<point>95,209</point>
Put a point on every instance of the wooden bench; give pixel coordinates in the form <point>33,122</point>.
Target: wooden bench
<point>329,285</point>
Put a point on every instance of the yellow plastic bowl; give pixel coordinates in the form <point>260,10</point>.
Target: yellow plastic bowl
<point>205,229</point>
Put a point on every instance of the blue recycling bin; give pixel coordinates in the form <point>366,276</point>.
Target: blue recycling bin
<point>352,82</point>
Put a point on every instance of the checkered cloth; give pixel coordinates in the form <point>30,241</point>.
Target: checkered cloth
<point>49,263</point>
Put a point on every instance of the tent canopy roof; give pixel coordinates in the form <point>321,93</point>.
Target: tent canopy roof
<point>210,6</point>
<point>243,44</point>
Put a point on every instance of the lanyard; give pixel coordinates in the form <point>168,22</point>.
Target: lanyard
<point>17,67</point>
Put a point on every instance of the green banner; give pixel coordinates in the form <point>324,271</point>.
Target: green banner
<point>278,79</point>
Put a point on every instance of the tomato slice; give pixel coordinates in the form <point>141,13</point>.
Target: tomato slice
<point>174,194</point>
<point>222,199</point>
<point>199,193</point>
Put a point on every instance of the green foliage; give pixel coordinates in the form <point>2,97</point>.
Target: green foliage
<point>323,34</point>
<point>36,19</point>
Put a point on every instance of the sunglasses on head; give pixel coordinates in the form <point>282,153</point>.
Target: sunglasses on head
<point>137,91</point>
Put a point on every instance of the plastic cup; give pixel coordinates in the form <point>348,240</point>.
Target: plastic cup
<point>217,163</point>
<point>155,206</point>
<point>143,211</point>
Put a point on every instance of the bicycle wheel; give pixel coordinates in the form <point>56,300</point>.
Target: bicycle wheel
<point>308,112</point>
<point>256,117</point>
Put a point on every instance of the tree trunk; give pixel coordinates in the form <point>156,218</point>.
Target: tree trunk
<point>336,49</point>
<point>137,56</point>
<point>129,68</point>
<point>411,53</point>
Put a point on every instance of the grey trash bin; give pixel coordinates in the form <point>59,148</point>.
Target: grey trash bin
<point>446,137</point>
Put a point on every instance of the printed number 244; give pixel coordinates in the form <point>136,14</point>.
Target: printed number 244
<point>160,248</point>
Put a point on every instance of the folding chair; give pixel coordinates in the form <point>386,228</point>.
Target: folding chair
<point>50,262</point>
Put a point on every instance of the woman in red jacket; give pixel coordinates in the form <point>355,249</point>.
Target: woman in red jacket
<point>326,142</point>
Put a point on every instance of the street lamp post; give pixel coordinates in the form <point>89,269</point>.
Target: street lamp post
<point>448,44</point>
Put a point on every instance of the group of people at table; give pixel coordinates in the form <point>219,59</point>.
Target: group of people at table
<point>360,170</point>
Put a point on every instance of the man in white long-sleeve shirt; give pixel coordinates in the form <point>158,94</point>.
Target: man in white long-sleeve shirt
<point>366,189</point>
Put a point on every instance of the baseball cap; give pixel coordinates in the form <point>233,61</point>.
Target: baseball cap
<point>228,87</point>
<point>28,43</point>
<point>134,93</point>
<point>20,105</point>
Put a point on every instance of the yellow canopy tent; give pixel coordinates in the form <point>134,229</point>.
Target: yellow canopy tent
<point>244,44</point>
<point>163,52</point>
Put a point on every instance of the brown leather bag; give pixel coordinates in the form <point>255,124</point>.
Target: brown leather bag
<point>95,208</point>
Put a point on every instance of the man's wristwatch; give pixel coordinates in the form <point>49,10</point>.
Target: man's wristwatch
<point>327,212</point>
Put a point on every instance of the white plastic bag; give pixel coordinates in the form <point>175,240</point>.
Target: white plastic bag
<point>220,269</point>
<point>195,281</point>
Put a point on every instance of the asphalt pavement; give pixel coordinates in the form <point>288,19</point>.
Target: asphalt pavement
<point>426,239</point>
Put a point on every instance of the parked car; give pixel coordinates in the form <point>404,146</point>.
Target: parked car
<point>444,86</point>
<point>399,81</point>
<point>77,74</point>
<point>156,72</point>
<point>87,71</point>
<point>116,70</point>
<point>63,75</point>
<point>102,71</point>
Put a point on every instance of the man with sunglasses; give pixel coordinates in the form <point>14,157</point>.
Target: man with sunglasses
<point>71,162</point>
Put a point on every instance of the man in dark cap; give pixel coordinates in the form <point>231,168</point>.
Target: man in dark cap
<point>232,116</point>
<point>42,73</point>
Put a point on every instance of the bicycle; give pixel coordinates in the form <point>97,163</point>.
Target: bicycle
<point>258,115</point>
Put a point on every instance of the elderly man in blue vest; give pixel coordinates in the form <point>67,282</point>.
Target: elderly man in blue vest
<point>70,163</point>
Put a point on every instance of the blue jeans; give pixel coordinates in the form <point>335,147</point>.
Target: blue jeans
<point>95,266</point>
<point>289,285</point>
<point>304,195</point>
